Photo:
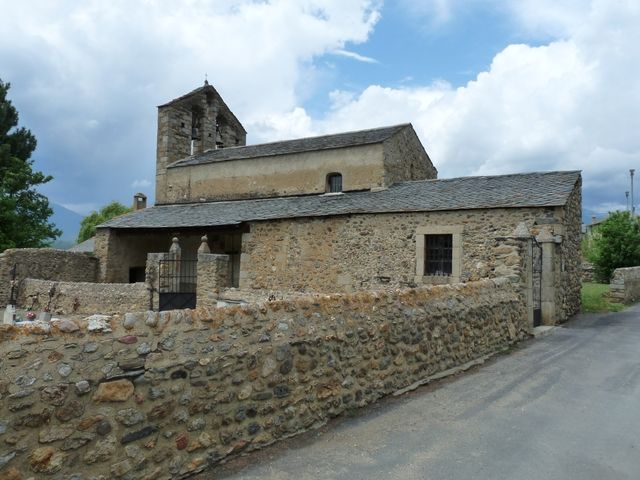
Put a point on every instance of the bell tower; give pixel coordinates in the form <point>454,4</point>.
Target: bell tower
<point>191,125</point>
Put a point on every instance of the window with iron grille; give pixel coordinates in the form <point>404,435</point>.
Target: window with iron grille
<point>438,255</point>
<point>334,182</point>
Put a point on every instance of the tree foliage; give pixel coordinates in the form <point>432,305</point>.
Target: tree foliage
<point>24,213</point>
<point>91,221</point>
<point>615,244</point>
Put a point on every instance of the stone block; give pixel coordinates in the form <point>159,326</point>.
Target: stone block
<point>114,391</point>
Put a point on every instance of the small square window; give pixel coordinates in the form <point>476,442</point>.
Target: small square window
<point>438,254</point>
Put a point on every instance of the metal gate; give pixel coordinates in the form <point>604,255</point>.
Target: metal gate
<point>536,284</point>
<point>177,284</point>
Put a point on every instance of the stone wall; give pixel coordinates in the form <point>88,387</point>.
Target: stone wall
<point>166,395</point>
<point>406,159</point>
<point>361,167</point>
<point>354,252</point>
<point>45,264</point>
<point>376,165</point>
<point>588,272</point>
<point>568,260</point>
<point>625,285</point>
<point>213,276</point>
<point>83,297</point>
<point>217,124</point>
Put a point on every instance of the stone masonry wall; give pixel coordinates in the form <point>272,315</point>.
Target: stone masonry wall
<point>588,274</point>
<point>82,297</point>
<point>406,159</point>
<point>362,167</point>
<point>350,253</point>
<point>45,264</point>
<point>568,264</point>
<point>213,276</point>
<point>625,285</point>
<point>162,396</point>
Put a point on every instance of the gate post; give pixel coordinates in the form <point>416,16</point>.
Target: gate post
<point>523,236</point>
<point>548,293</point>
<point>175,254</point>
<point>213,276</point>
<point>152,278</point>
<point>528,278</point>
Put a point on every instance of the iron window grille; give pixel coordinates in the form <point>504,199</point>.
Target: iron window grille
<point>438,257</point>
<point>334,183</point>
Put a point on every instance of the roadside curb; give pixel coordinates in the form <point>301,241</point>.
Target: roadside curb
<point>443,374</point>
<point>543,330</point>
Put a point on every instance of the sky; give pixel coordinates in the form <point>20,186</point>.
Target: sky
<point>490,86</point>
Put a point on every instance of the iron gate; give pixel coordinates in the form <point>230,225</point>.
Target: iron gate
<point>177,284</point>
<point>536,284</point>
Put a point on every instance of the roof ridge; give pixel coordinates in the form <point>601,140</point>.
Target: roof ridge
<point>337,134</point>
<point>205,157</point>
<point>517,174</point>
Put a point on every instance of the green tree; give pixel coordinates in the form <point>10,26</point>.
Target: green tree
<point>91,221</point>
<point>24,213</point>
<point>615,244</point>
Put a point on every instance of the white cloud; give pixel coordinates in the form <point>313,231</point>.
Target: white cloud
<point>354,56</point>
<point>86,75</point>
<point>573,103</point>
<point>434,11</point>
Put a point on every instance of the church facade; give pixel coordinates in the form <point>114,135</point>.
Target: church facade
<point>339,213</point>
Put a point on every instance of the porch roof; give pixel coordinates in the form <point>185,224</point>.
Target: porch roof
<point>539,189</point>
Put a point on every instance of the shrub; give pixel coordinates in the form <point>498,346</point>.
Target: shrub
<point>615,244</point>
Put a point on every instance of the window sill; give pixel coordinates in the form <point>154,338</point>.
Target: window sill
<point>436,279</point>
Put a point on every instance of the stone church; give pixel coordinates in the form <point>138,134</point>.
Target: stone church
<point>338,213</point>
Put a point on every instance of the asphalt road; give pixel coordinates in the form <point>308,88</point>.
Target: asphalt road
<point>566,406</point>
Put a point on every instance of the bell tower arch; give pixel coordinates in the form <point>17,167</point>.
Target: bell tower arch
<point>190,125</point>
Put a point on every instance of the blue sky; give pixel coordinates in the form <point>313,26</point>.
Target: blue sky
<point>490,86</point>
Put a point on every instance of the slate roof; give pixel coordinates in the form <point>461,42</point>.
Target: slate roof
<point>545,189</point>
<point>324,142</point>
<point>86,247</point>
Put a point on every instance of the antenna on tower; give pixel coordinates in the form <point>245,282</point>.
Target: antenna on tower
<point>206,81</point>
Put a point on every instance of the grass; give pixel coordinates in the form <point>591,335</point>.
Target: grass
<point>594,300</point>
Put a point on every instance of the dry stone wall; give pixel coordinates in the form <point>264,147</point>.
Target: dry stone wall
<point>45,264</point>
<point>588,272</point>
<point>625,285</point>
<point>82,297</point>
<point>162,396</point>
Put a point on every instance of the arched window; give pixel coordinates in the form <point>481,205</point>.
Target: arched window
<point>334,183</point>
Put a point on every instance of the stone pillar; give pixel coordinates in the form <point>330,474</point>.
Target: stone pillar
<point>213,276</point>
<point>175,249</point>
<point>152,277</point>
<point>548,295</point>
<point>204,245</point>
<point>175,253</point>
<point>513,260</point>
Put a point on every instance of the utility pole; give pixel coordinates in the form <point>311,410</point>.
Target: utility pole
<point>633,206</point>
<point>626,194</point>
